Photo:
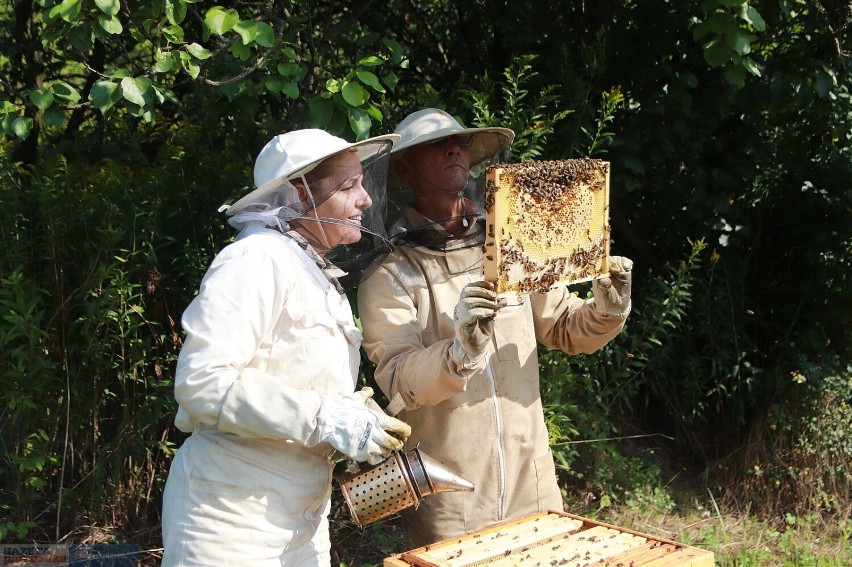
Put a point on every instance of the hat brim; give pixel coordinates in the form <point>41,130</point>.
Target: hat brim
<point>488,142</point>
<point>364,150</point>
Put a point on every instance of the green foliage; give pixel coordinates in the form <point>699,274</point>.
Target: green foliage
<point>533,119</point>
<point>594,393</point>
<point>98,264</point>
<point>102,62</point>
<point>728,125</point>
<point>800,455</point>
<point>727,31</point>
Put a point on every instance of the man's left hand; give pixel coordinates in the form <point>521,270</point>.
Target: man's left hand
<point>612,293</point>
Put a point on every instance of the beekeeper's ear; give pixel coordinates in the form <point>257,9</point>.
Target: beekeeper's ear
<point>299,184</point>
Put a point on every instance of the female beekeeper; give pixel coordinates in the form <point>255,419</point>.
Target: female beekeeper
<point>266,377</point>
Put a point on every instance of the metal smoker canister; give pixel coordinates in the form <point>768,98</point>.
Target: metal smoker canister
<point>402,480</point>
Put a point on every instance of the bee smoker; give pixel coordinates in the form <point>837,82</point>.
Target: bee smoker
<point>404,479</point>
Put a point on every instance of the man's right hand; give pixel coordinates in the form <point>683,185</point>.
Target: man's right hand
<point>474,318</point>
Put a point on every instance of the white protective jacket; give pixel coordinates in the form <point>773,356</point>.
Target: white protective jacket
<point>266,338</point>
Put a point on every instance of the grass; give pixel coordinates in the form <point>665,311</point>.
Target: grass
<point>737,538</point>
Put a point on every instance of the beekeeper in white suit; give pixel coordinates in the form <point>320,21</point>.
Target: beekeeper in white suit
<point>266,378</point>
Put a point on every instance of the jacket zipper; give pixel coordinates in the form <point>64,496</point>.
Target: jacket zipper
<point>501,462</point>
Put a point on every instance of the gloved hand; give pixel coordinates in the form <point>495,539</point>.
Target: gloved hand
<point>474,319</point>
<point>612,294</point>
<point>360,429</point>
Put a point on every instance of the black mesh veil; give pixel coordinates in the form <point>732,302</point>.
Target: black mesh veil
<point>284,207</point>
<point>427,233</point>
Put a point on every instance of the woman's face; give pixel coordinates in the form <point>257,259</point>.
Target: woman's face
<point>341,196</point>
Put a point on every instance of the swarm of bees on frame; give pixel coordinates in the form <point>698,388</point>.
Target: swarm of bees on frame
<point>547,223</point>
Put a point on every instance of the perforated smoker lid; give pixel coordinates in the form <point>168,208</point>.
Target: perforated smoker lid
<point>547,224</point>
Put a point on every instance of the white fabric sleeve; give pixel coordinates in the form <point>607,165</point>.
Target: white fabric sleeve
<point>240,300</point>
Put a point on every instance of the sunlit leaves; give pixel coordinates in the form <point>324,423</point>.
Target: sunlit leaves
<point>353,93</point>
<point>108,7</point>
<point>110,24</point>
<point>246,57</point>
<point>220,21</point>
<point>41,98</point>
<point>104,95</point>
<point>175,11</point>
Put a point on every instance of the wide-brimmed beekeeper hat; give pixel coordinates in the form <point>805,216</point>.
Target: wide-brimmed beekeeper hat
<point>432,124</point>
<point>294,154</point>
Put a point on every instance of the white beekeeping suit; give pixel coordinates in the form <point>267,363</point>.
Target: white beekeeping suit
<point>266,379</point>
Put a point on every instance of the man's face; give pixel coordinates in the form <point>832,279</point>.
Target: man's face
<point>442,165</point>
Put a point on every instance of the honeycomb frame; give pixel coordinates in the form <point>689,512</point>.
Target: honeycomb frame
<point>547,224</point>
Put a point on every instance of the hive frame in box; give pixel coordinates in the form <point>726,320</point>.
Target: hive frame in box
<point>554,538</point>
<point>547,224</point>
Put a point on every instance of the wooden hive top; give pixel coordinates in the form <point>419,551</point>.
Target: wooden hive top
<point>552,538</point>
<point>547,224</point>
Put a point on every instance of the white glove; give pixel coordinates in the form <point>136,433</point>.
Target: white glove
<point>352,426</point>
<point>612,294</point>
<point>474,320</point>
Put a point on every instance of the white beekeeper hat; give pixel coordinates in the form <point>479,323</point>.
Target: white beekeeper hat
<point>432,124</point>
<point>292,155</point>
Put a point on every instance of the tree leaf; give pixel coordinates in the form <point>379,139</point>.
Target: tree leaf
<point>371,61</point>
<point>104,94</point>
<point>374,112</point>
<point>41,98</point>
<point>247,30</point>
<point>173,33</point>
<point>397,52</point>
<point>69,10</point>
<point>265,35</point>
<point>166,61</point>
<point>220,20</point>
<point>354,94</point>
<point>753,17</point>
<point>751,66</point>
<point>65,92</point>
<point>359,121</point>
<point>721,22</point>
<point>197,51</point>
<point>54,117</point>
<point>135,90</point>
<point>291,90</point>
<point>717,53</point>
<point>22,126</point>
<point>240,50</point>
<point>166,93</point>
<point>110,24</point>
<point>319,111</point>
<point>735,74</point>
<point>175,11</point>
<point>370,79</point>
<point>390,79</point>
<point>739,41</point>
<point>108,7</point>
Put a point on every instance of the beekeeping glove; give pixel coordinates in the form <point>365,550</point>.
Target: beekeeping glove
<point>360,431</point>
<point>474,321</point>
<point>612,293</point>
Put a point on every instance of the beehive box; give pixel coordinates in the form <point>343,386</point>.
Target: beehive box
<point>547,224</point>
<point>552,538</point>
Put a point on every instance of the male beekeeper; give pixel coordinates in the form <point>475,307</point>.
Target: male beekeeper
<point>464,362</point>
